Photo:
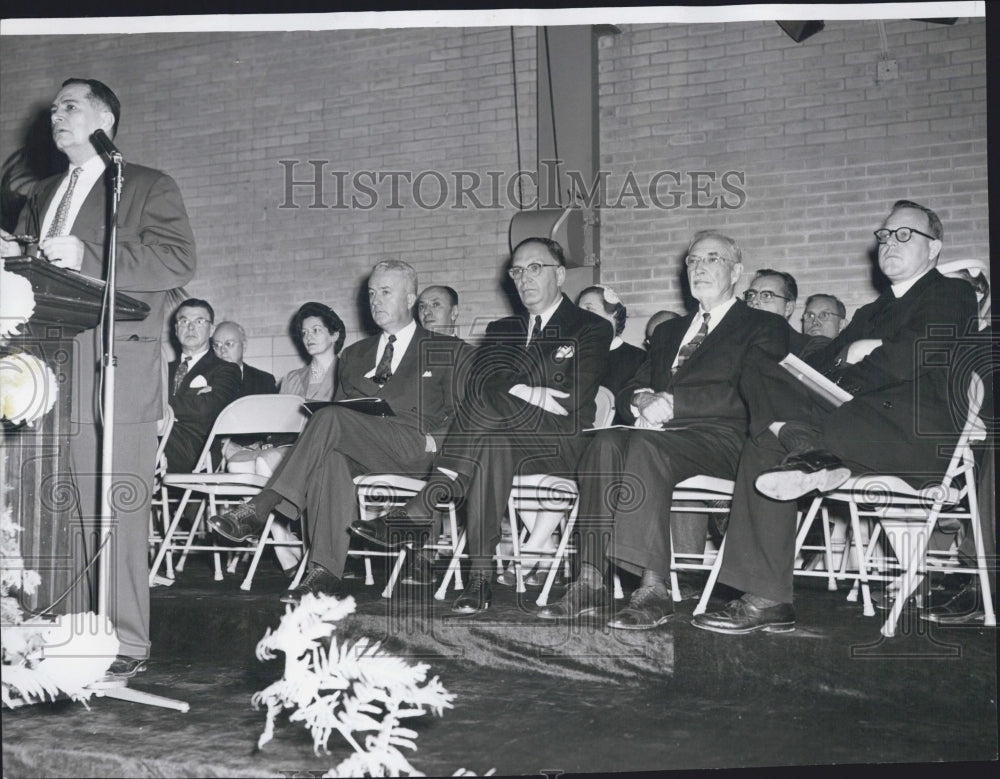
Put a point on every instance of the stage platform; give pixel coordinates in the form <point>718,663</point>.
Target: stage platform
<point>534,696</point>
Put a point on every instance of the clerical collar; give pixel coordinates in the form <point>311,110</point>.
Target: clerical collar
<point>903,287</point>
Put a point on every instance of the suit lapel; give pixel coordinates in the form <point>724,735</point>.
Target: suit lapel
<point>92,210</point>
<point>723,331</point>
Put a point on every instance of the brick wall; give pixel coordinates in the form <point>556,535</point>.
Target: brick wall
<point>823,148</point>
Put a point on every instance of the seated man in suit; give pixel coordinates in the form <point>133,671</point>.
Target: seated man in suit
<point>824,315</point>
<point>437,309</point>
<point>531,389</point>
<point>655,321</point>
<point>229,342</point>
<point>411,369</point>
<point>201,385</point>
<point>685,399</point>
<point>776,291</point>
<point>896,423</point>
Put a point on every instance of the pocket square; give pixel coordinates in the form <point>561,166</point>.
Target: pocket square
<point>427,375</point>
<point>198,381</point>
<point>564,352</point>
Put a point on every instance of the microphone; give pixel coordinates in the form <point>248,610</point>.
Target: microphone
<point>104,144</point>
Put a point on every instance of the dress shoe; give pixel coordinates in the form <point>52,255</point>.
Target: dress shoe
<point>533,581</point>
<point>476,597</point>
<point>317,581</point>
<point>648,608</point>
<point>801,474</point>
<point>394,530</point>
<point>239,525</point>
<point>125,667</point>
<point>417,572</point>
<point>579,600</point>
<point>741,616</point>
<point>961,608</point>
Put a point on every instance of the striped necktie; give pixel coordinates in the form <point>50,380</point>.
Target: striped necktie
<point>62,212</point>
<point>691,346</point>
<point>384,369</point>
<point>182,371</point>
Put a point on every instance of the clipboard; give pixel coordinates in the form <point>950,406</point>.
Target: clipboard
<point>376,407</point>
<point>816,382</point>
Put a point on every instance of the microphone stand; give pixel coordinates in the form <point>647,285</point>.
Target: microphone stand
<point>114,688</point>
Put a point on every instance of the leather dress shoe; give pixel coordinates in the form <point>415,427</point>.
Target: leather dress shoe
<point>239,525</point>
<point>125,667</point>
<point>394,530</point>
<point>801,474</point>
<point>533,581</point>
<point>476,597</point>
<point>579,600</point>
<point>963,607</point>
<point>417,572</point>
<point>741,616</point>
<point>317,581</point>
<point>648,608</point>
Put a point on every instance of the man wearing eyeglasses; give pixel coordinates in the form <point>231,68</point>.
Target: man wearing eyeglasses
<point>199,384</point>
<point>901,414</point>
<point>825,315</point>
<point>776,291</point>
<point>685,400</point>
<point>229,341</point>
<point>531,390</point>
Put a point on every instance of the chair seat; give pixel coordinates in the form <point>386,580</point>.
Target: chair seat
<point>392,482</point>
<point>701,484</point>
<point>879,488</point>
<point>205,482</point>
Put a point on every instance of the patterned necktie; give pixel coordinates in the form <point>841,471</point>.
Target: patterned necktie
<point>384,369</point>
<point>182,371</point>
<point>689,348</point>
<point>62,212</point>
<point>536,330</point>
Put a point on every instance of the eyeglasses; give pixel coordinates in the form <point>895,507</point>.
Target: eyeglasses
<point>903,234</point>
<point>224,344</point>
<point>533,269</point>
<point>200,321</point>
<point>765,295</point>
<point>822,316</point>
<point>711,260</point>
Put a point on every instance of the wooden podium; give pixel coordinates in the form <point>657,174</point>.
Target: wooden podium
<point>37,470</point>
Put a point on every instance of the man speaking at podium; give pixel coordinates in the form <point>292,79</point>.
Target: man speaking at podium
<point>155,253</point>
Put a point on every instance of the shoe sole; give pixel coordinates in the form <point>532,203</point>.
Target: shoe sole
<point>470,610</point>
<point>593,611</point>
<point>138,670</point>
<point>772,627</point>
<point>661,621</point>
<point>235,539</point>
<point>790,485</point>
<point>955,619</point>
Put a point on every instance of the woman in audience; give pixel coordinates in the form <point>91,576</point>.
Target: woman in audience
<point>320,333</point>
<point>624,359</point>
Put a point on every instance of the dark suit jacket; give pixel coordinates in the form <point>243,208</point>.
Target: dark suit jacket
<point>197,410</point>
<point>706,386</point>
<point>424,390</point>
<point>257,382</point>
<point>570,356</point>
<point>908,392</point>
<point>155,254</point>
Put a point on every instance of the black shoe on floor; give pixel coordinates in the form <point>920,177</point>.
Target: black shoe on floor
<point>476,597</point>
<point>741,616</point>
<point>239,525</point>
<point>963,607</point>
<point>801,474</point>
<point>125,667</point>
<point>648,608</point>
<point>394,530</point>
<point>317,581</point>
<point>579,600</point>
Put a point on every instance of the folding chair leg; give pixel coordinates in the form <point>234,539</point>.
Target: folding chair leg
<point>454,570</point>
<point>863,556</point>
<point>619,593</point>
<point>190,539</point>
<point>264,535</point>
<point>457,545</point>
<point>168,536</point>
<point>297,579</point>
<point>831,579</point>
<point>369,577</point>
<point>560,554</point>
<point>989,616</point>
<point>712,576</point>
<point>396,569</point>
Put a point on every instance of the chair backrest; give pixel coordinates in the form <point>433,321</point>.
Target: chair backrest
<point>974,268</point>
<point>255,414</point>
<point>164,426</point>
<point>605,407</point>
<point>972,430</point>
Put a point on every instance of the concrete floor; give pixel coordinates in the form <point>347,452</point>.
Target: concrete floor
<point>532,699</point>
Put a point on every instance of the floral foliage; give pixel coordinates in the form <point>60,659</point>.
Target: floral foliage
<point>28,388</point>
<point>17,302</point>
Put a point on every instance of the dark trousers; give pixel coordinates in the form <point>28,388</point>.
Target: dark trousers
<point>316,475</point>
<point>627,479</point>
<point>128,549</point>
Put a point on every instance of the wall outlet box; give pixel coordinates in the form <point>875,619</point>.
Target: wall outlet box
<point>886,70</point>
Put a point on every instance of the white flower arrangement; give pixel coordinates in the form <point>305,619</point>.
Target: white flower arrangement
<point>28,388</point>
<point>17,302</point>
<point>348,687</point>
